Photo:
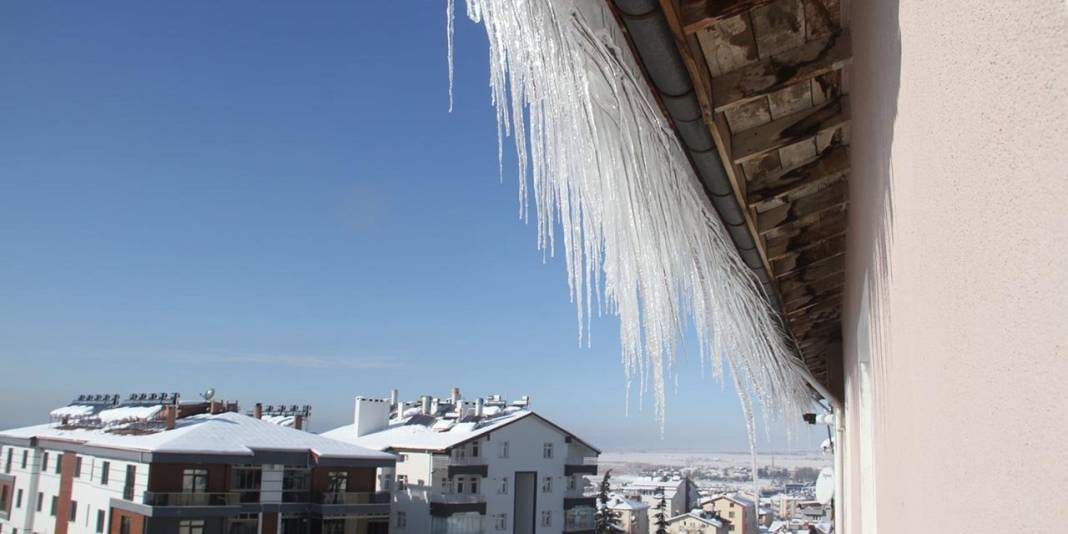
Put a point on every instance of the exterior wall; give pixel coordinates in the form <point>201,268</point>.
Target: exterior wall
<point>742,518</point>
<point>691,525</point>
<point>412,501</point>
<point>954,313</point>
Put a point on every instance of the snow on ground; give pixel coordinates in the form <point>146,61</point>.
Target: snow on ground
<point>689,459</point>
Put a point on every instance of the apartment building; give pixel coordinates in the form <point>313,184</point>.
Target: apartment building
<point>634,517</point>
<point>476,466</point>
<point>697,522</point>
<point>151,463</point>
<point>680,494</point>
<point>739,511</point>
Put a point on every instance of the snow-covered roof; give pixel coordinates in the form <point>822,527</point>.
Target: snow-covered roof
<point>620,503</point>
<point>424,433</point>
<point>704,517</point>
<point>226,433</point>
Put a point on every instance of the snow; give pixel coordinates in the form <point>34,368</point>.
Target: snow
<point>280,420</point>
<point>400,435</point>
<point>226,433</point>
<point>128,413</point>
<point>638,233</point>
<point>621,503</point>
<point>72,411</point>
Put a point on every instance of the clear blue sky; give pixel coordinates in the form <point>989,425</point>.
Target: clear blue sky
<point>271,198</point>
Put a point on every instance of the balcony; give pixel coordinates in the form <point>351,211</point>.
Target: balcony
<point>354,497</point>
<point>189,499</point>
<point>457,498</point>
<point>447,504</point>
<point>463,465</point>
<point>580,465</point>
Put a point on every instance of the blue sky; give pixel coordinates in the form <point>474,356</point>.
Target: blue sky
<point>271,198</point>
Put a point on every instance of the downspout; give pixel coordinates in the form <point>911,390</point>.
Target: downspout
<point>653,42</point>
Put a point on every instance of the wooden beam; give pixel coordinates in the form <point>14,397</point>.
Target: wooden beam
<point>832,300</point>
<point>828,224</point>
<point>812,273</point>
<point>698,14</point>
<point>785,184</point>
<point>814,291</point>
<point>800,208</point>
<point>790,129</point>
<point>780,70</point>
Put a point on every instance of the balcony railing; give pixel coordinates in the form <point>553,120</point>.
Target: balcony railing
<point>457,498</point>
<point>442,461</point>
<point>581,460</point>
<point>230,498</point>
<point>572,526</point>
<point>355,497</point>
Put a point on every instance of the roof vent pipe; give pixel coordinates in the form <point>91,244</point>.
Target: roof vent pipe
<point>257,411</point>
<point>454,395</point>
<point>393,395</point>
<point>479,405</point>
<point>169,416</point>
<point>426,404</point>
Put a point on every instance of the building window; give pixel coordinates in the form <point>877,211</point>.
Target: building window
<point>25,458</point>
<point>40,501</point>
<point>402,458</point>
<point>44,462</point>
<point>572,482</point>
<point>474,486</point>
<point>77,466</point>
<point>59,464</point>
<point>73,511</point>
<point>55,502</point>
<point>333,526</point>
<point>128,485</point>
<point>547,518</point>
<point>503,488</point>
<point>547,451</point>
<point>503,453</point>
<point>18,499</point>
<point>3,498</point>
<point>402,482</point>
<point>7,464</point>
<point>191,526</point>
<point>474,450</point>
<point>500,522</point>
<point>100,522</point>
<point>402,520</point>
<point>339,482</point>
<point>459,453</point>
<point>731,514</point>
<point>194,480</point>
<point>124,525</point>
<point>460,484</point>
<point>547,485</point>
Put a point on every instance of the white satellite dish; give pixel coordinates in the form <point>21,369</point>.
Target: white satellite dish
<point>209,394</point>
<point>825,485</point>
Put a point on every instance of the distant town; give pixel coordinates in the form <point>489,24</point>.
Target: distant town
<point>160,463</point>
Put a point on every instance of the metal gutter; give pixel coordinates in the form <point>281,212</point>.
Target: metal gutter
<point>654,43</point>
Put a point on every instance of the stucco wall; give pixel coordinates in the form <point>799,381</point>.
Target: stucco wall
<point>956,277</point>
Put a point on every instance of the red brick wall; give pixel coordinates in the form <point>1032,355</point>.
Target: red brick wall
<point>137,522</point>
<point>66,485</point>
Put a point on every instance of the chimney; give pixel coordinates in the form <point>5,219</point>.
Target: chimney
<point>215,407</point>
<point>434,403</point>
<point>169,416</point>
<point>298,421</point>
<point>426,404</point>
<point>454,395</point>
<point>393,397</point>
<point>257,412</point>
<point>371,415</point>
<point>479,406</point>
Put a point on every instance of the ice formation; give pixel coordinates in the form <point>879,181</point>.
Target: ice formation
<point>638,233</point>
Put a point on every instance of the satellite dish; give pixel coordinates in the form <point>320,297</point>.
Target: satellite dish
<point>209,394</point>
<point>825,485</point>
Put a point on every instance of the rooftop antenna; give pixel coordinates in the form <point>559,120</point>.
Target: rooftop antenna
<point>208,395</point>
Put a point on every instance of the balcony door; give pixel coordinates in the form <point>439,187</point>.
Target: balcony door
<point>194,480</point>
<point>526,501</point>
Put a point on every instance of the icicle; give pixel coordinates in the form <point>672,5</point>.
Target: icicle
<point>637,230</point>
<point>450,16</point>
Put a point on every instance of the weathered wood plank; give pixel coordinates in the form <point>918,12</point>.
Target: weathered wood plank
<point>699,14</point>
<point>790,129</point>
<point>817,271</point>
<point>796,261</point>
<point>728,44</point>
<point>833,162</point>
<point>813,292</point>
<point>802,207</point>
<point>778,26</point>
<point>833,300</point>
<point>781,70</point>
<point>828,224</point>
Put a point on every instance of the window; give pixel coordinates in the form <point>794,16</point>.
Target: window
<point>459,453</point>
<point>18,499</point>
<point>7,464</point>
<point>572,482</point>
<point>547,450</point>
<point>25,458</point>
<point>547,518</point>
<point>500,522</point>
<point>59,464</point>
<point>460,484</point>
<point>474,450</point>
<point>547,485</point>
<point>73,511</point>
<point>100,522</point>
<point>402,458</point>
<point>128,485</point>
<point>77,466</point>
<point>194,480</point>
<point>402,482</point>
<point>503,488</point>
<point>124,525</point>
<point>40,501</point>
<point>3,498</point>
<point>333,526</point>
<point>402,520</point>
<point>339,482</point>
<point>732,528</point>
<point>55,501</point>
<point>44,462</point>
<point>474,486</point>
<point>503,452</point>
<point>191,526</point>
<point>105,473</point>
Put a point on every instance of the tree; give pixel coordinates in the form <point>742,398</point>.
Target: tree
<point>606,520</point>
<point>661,513</point>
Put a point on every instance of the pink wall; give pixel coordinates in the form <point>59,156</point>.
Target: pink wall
<point>958,224</point>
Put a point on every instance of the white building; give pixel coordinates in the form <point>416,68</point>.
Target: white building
<point>476,466</point>
<point>697,522</point>
<point>154,464</point>
<point>634,516</point>
<point>681,494</point>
